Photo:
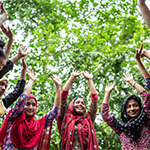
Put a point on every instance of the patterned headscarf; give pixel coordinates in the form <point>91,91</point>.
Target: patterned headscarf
<point>131,126</point>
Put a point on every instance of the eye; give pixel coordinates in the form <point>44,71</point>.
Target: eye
<point>83,103</point>
<point>27,104</point>
<point>33,104</point>
<point>128,106</point>
<point>135,105</point>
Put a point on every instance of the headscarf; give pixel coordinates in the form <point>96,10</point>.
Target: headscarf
<point>85,128</point>
<point>131,126</point>
<point>27,132</point>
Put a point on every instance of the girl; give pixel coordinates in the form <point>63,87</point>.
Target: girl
<point>134,131</point>
<point>76,128</point>
<point>20,130</point>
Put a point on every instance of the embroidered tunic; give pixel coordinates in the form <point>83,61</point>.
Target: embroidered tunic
<point>143,142</point>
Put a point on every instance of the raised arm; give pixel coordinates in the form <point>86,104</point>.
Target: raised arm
<point>32,79</point>
<point>94,98</point>
<point>22,52</point>
<point>144,11</point>
<point>129,78</point>
<point>3,12</point>
<point>138,55</point>
<point>111,121</point>
<point>74,74</point>
<point>11,97</point>
<point>57,82</point>
<point>9,34</point>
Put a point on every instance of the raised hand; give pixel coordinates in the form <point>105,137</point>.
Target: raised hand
<point>22,51</point>
<point>75,74</point>
<point>31,75</point>
<point>128,78</point>
<point>139,53</point>
<point>3,12</point>
<point>2,9</point>
<point>109,87</point>
<point>56,80</point>
<point>7,32</point>
<point>87,75</point>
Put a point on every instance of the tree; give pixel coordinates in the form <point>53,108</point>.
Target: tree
<point>98,36</point>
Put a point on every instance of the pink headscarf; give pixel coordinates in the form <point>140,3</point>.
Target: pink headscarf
<point>28,132</point>
<point>86,132</point>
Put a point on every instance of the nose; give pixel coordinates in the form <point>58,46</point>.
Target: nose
<point>132,108</point>
<point>30,106</point>
<point>3,87</point>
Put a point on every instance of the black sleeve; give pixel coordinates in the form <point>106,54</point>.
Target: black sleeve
<point>11,97</point>
<point>9,66</point>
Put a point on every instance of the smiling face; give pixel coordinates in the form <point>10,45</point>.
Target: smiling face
<point>30,107</point>
<point>79,106</point>
<point>3,86</point>
<point>132,108</point>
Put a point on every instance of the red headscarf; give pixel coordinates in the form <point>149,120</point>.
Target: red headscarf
<point>28,132</point>
<point>86,132</point>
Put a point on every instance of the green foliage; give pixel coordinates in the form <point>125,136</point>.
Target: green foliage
<point>98,36</point>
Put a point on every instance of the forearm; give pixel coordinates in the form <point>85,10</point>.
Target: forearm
<point>28,88</point>
<point>145,13</point>
<point>57,101</point>
<point>15,58</point>
<point>106,97</point>
<point>138,87</point>
<point>92,87</point>
<point>143,70</point>
<point>68,84</point>
<point>93,106</point>
<point>23,74</point>
<point>109,119</point>
<point>51,115</point>
<point>6,68</point>
<point>8,47</point>
<point>11,97</point>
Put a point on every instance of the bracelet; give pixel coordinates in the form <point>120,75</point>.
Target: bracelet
<point>134,84</point>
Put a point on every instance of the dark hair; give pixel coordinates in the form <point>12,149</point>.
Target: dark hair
<point>2,54</point>
<point>77,98</point>
<point>2,44</point>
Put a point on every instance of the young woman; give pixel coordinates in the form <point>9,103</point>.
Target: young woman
<point>20,130</point>
<point>76,128</point>
<point>134,131</point>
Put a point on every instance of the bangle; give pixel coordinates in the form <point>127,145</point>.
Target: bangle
<point>134,84</point>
